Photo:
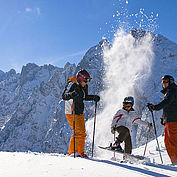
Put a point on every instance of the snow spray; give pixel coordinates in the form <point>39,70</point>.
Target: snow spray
<point>127,67</point>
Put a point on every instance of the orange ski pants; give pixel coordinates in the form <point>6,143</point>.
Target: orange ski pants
<point>171,140</point>
<point>80,133</point>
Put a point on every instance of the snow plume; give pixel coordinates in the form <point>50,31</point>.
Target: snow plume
<point>127,67</point>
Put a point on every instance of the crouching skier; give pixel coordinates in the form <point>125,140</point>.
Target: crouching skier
<point>123,122</point>
<point>77,93</point>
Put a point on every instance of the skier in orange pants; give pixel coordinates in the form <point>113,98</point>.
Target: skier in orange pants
<point>171,140</point>
<point>76,94</point>
<point>169,117</point>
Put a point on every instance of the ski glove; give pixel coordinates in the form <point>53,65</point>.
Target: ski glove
<point>162,121</point>
<point>113,129</point>
<point>150,106</point>
<point>96,98</point>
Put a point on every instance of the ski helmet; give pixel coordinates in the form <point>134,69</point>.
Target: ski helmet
<point>168,79</point>
<point>128,100</point>
<point>83,76</point>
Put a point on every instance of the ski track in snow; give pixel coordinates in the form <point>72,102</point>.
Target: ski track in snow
<point>19,164</point>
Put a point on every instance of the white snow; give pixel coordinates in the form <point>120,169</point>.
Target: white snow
<point>19,164</point>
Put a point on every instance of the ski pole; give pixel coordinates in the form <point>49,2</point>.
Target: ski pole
<point>146,141</point>
<point>156,135</point>
<point>94,128</point>
<point>114,141</point>
<point>74,129</point>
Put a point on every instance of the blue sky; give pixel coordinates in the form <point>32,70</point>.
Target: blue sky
<point>57,31</point>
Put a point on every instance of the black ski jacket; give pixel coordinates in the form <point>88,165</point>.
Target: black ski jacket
<point>168,104</point>
<point>78,94</point>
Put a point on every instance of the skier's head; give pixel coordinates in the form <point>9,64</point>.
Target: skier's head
<point>128,103</point>
<point>83,76</point>
<point>167,80</point>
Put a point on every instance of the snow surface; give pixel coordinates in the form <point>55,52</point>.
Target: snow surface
<point>19,164</point>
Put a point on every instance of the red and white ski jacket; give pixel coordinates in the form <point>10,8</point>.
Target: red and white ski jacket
<point>127,119</point>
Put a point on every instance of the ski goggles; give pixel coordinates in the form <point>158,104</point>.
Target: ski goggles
<point>127,105</point>
<point>164,81</point>
<point>87,80</point>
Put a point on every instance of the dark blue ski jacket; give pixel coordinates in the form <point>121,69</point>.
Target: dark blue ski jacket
<point>168,104</point>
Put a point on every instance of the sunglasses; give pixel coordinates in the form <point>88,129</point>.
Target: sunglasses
<point>164,81</point>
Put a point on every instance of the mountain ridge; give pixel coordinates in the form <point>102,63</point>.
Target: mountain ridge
<point>32,112</point>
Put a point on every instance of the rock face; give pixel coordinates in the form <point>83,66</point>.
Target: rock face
<point>32,112</point>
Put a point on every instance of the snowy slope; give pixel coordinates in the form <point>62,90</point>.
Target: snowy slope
<point>58,165</point>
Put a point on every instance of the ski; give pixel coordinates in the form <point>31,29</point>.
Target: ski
<point>123,153</point>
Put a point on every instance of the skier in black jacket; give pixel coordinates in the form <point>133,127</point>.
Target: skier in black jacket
<point>169,117</point>
<point>74,103</point>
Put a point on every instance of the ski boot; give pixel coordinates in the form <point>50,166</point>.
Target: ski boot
<point>116,146</point>
<point>79,155</point>
<point>84,156</point>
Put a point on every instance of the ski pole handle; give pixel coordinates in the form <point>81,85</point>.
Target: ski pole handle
<point>150,107</point>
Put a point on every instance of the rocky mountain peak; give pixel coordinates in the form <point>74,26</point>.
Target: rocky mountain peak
<point>139,33</point>
<point>28,73</point>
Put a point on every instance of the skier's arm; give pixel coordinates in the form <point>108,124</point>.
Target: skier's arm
<point>115,121</point>
<point>169,97</point>
<point>91,97</point>
<point>71,94</point>
<point>142,123</point>
<point>113,127</point>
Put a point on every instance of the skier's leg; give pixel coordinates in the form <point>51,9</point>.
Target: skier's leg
<point>79,133</point>
<point>71,143</point>
<point>124,135</point>
<point>128,144</point>
<point>171,140</point>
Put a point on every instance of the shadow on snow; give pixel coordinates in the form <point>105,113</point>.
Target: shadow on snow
<point>148,172</point>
